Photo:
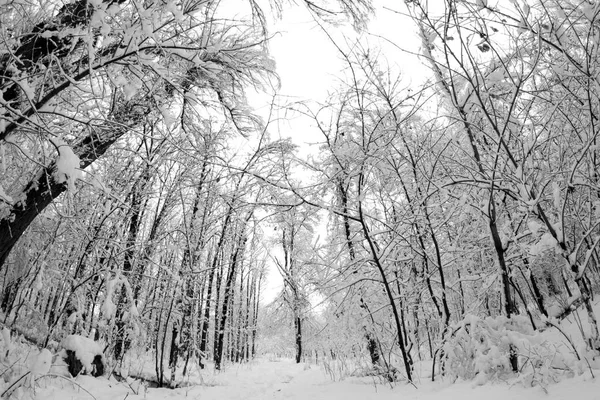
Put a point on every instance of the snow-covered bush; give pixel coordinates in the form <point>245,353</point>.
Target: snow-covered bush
<point>479,349</point>
<point>83,355</point>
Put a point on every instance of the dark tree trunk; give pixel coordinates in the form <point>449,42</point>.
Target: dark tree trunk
<point>462,294</point>
<point>255,314</point>
<point>245,331</point>
<point>137,197</point>
<point>229,287</point>
<point>298,329</point>
<point>406,357</point>
<point>373,349</point>
<point>217,316</point>
<point>509,303</point>
<point>539,297</point>
<point>206,316</point>
<point>174,352</point>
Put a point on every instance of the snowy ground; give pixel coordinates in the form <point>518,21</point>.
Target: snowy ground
<point>264,379</point>
<point>271,378</point>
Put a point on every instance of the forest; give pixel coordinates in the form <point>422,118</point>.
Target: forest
<point>439,228</point>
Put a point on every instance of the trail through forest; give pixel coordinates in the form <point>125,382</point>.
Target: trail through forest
<point>284,379</point>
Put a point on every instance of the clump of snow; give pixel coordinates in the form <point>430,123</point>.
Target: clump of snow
<point>534,226</point>
<point>496,76</point>
<point>557,195</point>
<point>4,196</point>
<point>67,166</point>
<point>6,344</point>
<point>119,80</point>
<point>169,118</point>
<point>27,89</point>
<point>85,349</point>
<point>131,88</point>
<point>2,147</point>
<point>39,280</point>
<point>546,242</point>
<point>554,310</point>
<point>40,364</point>
<point>108,307</point>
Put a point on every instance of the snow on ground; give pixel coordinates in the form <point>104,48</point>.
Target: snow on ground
<point>269,378</point>
<point>264,379</point>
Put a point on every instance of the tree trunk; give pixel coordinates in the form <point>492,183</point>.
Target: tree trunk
<point>137,198</point>
<point>508,301</point>
<point>229,287</point>
<point>218,250</point>
<point>408,363</point>
<point>298,330</point>
<point>256,303</point>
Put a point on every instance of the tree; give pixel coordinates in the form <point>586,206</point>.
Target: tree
<point>359,164</point>
<point>497,71</point>
<point>126,58</point>
<point>294,266</point>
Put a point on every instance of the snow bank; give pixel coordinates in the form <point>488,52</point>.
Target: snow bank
<point>285,380</point>
<point>4,196</point>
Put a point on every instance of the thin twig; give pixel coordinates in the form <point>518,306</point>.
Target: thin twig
<point>14,383</point>
<point>566,337</point>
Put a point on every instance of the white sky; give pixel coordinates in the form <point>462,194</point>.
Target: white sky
<point>309,66</point>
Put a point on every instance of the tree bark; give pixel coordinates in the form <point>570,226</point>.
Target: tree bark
<point>298,329</point>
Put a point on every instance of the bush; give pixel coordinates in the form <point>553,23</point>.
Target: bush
<point>479,349</point>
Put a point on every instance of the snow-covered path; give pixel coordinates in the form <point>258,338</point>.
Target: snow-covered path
<point>266,380</point>
<point>287,380</point>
